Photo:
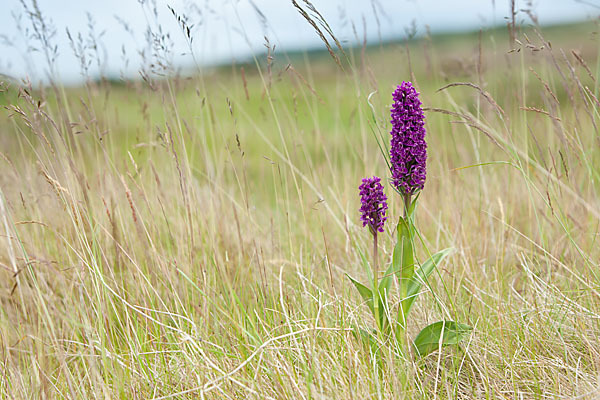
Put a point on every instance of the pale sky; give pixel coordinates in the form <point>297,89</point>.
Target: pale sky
<point>233,29</point>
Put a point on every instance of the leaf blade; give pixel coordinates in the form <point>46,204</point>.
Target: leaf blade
<point>416,282</point>
<point>440,334</point>
<point>403,261</point>
<point>386,280</point>
<point>364,291</point>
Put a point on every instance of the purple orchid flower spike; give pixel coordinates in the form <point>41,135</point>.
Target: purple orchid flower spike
<point>408,150</point>
<point>373,204</point>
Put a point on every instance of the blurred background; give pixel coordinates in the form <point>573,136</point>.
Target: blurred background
<point>71,41</point>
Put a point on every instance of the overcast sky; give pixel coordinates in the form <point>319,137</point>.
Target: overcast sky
<point>229,29</point>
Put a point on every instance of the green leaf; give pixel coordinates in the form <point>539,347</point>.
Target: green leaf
<point>403,261</point>
<point>386,280</point>
<point>441,333</point>
<point>413,205</point>
<point>383,294</point>
<point>420,276</point>
<point>366,265</point>
<point>365,292</point>
<point>369,297</point>
<point>367,337</point>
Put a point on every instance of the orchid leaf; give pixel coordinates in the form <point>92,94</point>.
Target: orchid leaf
<point>364,291</point>
<point>413,205</point>
<point>439,334</point>
<point>378,309</point>
<point>386,280</point>
<point>420,276</point>
<point>365,262</point>
<point>403,261</point>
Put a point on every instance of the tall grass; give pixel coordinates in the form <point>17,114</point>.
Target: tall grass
<point>187,236</point>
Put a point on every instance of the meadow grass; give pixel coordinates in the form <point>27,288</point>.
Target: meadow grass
<point>188,237</point>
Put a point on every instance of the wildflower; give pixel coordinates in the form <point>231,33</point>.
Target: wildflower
<point>408,150</point>
<point>373,204</point>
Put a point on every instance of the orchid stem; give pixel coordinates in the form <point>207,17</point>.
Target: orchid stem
<point>375,268</point>
<point>406,205</point>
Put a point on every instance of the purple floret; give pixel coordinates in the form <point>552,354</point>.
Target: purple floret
<point>373,204</point>
<point>408,150</point>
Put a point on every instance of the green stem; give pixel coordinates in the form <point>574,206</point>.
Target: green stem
<point>376,283</point>
<point>406,205</point>
<point>375,267</point>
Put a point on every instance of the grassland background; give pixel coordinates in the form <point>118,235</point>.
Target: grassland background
<point>188,237</point>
